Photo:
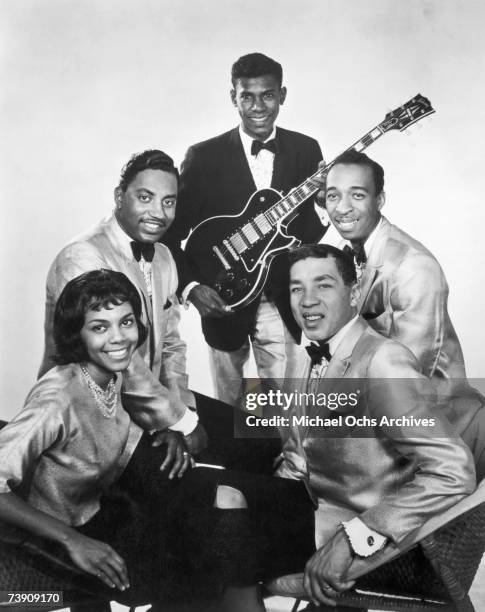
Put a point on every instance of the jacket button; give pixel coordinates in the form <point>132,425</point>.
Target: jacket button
<point>370,541</point>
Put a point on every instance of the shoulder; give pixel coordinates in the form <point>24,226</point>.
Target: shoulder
<point>408,255</point>
<point>297,138</point>
<point>386,358</point>
<point>215,143</point>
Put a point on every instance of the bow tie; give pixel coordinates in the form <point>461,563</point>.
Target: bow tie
<point>317,351</point>
<point>147,250</point>
<point>257,145</point>
<point>357,252</point>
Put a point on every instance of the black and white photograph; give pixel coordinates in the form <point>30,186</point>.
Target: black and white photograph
<point>242,263</point>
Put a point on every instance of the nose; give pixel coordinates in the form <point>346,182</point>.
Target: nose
<point>344,204</point>
<point>308,298</point>
<point>157,211</point>
<point>258,103</point>
<point>116,334</point>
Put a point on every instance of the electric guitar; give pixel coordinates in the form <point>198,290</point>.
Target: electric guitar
<point>236,263</point>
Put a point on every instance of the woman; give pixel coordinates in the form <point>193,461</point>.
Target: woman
<point>76,470</point>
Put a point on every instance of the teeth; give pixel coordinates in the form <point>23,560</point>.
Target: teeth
<point>313,317</point>
<point>152,225</point>
<point>347,224</point>
<point>118,353</point>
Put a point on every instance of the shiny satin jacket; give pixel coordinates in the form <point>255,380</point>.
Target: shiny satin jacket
<point>394,477</point>
<point>404,295</point>
<point>155,384</point>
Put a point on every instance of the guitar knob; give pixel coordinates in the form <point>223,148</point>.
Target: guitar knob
<point>228,293</point>
<point>218,287</point>
<point>230,276</point>
<point>242,283</point>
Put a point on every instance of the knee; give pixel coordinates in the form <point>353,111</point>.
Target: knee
<point>228,497</point>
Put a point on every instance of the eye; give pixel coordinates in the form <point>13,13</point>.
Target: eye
<point>331,197</point>
<point>358,195</point>
<point>269,95</point>
<point>324,286</point>
<point>169,203</point>
<point>128,322</point>
<point>98,328</point>
<point>144,197</point>
<point>246,97</point>
<point>295,290</point>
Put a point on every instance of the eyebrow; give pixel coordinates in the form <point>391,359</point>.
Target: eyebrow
<point>351,187</point>
<point>169,195</point>
<point>315,279</point>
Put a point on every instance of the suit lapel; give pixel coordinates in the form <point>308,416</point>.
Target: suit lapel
<point>374,262</point>
<point>280,163</point>
<point>342,359</point>
<point>240,167</point>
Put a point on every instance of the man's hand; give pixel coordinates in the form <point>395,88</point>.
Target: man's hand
<point>326,571</point>
<point>178,458</point>
<point>208,302</point>
<point>321,183</point>
<point>99,559</point>
<point>197,440</point>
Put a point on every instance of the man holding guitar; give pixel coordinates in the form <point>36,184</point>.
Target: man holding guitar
<point>218,178</point>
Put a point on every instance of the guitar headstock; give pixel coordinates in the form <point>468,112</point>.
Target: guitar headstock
<point>407,114</point>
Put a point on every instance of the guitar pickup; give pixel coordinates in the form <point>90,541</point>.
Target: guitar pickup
<point>250,233</point>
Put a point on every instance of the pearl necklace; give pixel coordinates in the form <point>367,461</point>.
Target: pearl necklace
<point>107,400</point>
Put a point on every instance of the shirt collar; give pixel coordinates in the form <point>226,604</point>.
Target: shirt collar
<point>335,340</point>
<point>247,140</point>
<point>372,237</point>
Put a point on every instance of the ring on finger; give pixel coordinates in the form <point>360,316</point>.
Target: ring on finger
<point>327,588</point>
<point>185,454</point>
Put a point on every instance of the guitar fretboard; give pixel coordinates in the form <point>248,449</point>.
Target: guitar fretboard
<point>289,203</point>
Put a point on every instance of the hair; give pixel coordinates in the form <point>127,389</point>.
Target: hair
<point>152,159</point>
<point>90,291</point>
<point>344,262</point>
<point>361,159</point>
<point>255,65</point>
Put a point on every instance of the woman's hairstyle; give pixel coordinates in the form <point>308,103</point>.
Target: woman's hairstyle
<point>90,291</point>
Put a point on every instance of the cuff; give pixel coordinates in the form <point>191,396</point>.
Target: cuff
<point>187,423</point>
<point>363,541</point>
<point>186,291</point>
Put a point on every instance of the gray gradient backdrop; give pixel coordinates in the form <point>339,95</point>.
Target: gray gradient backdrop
<point>85,83</point>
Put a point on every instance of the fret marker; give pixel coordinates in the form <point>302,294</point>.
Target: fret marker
<point>261,199</point>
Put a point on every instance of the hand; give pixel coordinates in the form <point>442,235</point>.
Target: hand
<point>197,440</point>
<point>208,302</point>
<point>326,571</point>
<point>99,559</point>
<point>178,458</point>
<point>321,183</point>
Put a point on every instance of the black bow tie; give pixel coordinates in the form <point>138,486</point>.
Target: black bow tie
<point>317,351</point>
<point>257,145</point>
<point>142,248</point>
<point>357,252</point>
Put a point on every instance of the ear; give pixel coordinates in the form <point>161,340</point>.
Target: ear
<point>354,295</point>
<point>381,200</point>
<point>233,97</point>
<point>118,195</point>
<point>283,93</point>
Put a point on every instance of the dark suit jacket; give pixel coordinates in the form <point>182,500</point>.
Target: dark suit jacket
<point>216,180</point>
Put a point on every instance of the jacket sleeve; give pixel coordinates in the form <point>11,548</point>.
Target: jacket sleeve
<point>441,463</point>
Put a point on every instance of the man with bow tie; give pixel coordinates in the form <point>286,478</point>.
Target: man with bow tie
<point>155,385</point>
<point>218,177</point>
<point>393,462</point>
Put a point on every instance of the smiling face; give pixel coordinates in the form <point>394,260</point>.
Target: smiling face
<point>110,336</point>
<point>147,207</point>
<point>321,303</point>
<point>258,102</point>
<point>352,202</point>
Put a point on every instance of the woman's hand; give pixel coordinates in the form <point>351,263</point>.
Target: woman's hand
<point>98,559</point>
<point>178,458</point>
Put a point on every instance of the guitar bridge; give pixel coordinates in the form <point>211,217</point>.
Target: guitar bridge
<point>221,257</point>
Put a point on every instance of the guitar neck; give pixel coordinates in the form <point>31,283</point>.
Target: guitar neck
<point>285,207</point>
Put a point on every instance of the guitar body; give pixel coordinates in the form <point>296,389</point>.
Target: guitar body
<point>238,277</point>
<point>233,252</point>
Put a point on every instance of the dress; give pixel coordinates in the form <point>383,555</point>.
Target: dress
<point>64,457</point>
